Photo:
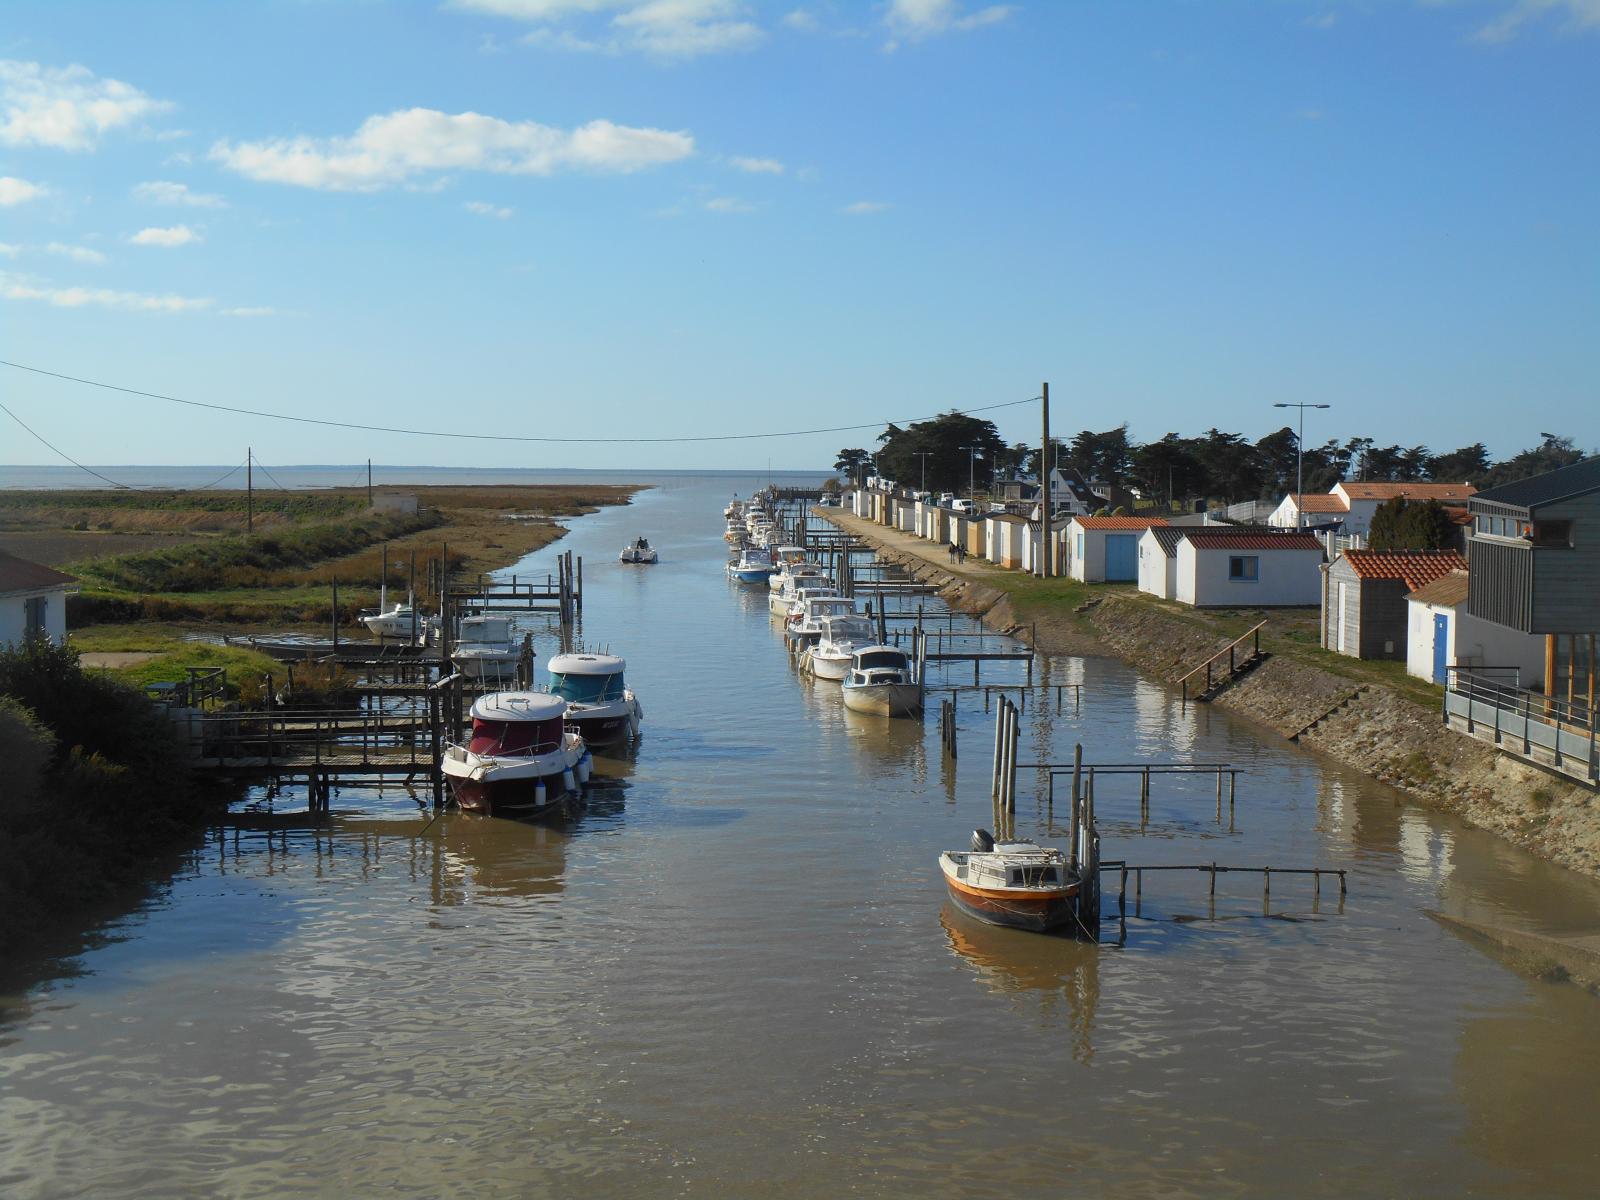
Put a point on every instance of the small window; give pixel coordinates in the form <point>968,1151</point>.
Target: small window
<point>1244,568</point>
<point>1552,533</point>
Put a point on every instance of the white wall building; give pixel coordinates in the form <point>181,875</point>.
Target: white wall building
<point>1364,499</point>
<point>1441,633</point>
<point>1158,561</point>
<point>1228,568</point>
<point>1105,549</point>
<point>33,600</point>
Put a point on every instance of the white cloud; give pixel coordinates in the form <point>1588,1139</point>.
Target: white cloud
<point>1325,20</point>
<point>67,108</point>
<point>175,235</point>
<point>164,191</point>
<point>260,310</point>
<point>758,166</point>
<point>729,204</point>
<point>79,297</point>
<point>78,254</point>
<point>665,28</point>
<point>918,19</point>
<point>485,209</point>
<point>16,191</point>
<point>390,149</point>
<point>1580,16</point>
<point>863,208</point>
<point>802,21</point>
<point>8,250</point>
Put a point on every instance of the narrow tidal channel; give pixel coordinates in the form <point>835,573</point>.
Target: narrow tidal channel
<point>737,974</point>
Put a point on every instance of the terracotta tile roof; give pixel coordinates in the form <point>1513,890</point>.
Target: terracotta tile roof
<point>1119,522</point>
<point>1414,568</point>
<point>1251,539</point>
<point>1323,503</point>
<point>1411,491</point>
<point>20,575</point>
<point>1447,591</point>
<point>1458,515</point>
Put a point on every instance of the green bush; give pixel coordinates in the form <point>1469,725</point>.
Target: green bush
<point>26,749</point>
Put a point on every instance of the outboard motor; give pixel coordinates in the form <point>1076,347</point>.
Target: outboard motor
<point>982,841</point>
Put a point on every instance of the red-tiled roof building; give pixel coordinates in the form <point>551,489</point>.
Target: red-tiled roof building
<point>1364,598</point>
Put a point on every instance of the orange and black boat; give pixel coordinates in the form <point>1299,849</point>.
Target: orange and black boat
<point>1015,883</point>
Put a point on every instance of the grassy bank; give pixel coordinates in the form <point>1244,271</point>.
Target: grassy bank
<point>187,557</point>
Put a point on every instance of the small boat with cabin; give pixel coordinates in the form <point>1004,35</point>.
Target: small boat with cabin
<point>521,760</point>
<point>752,566</point>
<point>882,681</point>
<point>793,573</point>
<point>640,552</point>
<point>1017,884</point>
<point>600,705</point>
<point>486,649</point>
<point>803,627</point>
<point>841,637</point>
<point>398,621</point>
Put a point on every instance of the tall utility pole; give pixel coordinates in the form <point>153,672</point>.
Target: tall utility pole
<point>972,471</point>
<point>1299,461</point>
<point>369,483</point>
<point>923,455</point>
<point>1046,567</point>
<point>249,490</point>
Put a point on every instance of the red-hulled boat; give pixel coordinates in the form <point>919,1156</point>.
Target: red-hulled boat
<point>1012,883</point>
<point>521,760</point>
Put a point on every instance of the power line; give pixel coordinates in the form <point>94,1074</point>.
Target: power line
<point>490,437</point>
<point>208,486</point>
<point>127,487</point>
<point>269,475</point>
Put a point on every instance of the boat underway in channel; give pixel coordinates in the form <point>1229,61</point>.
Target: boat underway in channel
<point>842,635</point>
<point>882,681</point>
<point>521,760</point>
<point>1016,883</point>
<point>600,705</point>
<point>640,552</point>
<point>486,649</point>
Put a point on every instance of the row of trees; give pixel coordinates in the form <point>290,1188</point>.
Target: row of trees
<point>952,451</point>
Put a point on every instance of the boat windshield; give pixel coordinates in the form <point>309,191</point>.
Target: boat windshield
<point>851,629</point>
<point>486,629</point>
<point>515,737</point>
<point>586,689</point>
<point>890,660</point>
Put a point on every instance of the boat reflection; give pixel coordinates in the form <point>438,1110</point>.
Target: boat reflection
<point>478,857</point>
<point>1062,972</point>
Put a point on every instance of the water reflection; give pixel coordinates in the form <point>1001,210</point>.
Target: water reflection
<point>1061,973</point>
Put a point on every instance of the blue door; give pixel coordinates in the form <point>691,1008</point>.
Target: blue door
<point>1441,646</point>
<point>1122,557</point>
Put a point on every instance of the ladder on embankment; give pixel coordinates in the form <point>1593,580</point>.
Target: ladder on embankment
<point>1241,660</point>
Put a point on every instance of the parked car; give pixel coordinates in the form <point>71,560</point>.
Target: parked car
<point>961,505</point>
<point>946,499</point>
<point>922,496</point>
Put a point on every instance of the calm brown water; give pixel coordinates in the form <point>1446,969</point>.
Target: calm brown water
<point>736,976</point>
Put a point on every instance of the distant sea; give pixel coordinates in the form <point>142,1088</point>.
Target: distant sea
<point>296,478</point>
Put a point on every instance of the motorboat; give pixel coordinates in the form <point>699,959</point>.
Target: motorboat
<point>600,705</point>
<point>801,582</point>
<point>640,552</point>
<point>794,573</point>
<point>735,508</point>
<point>521,760</point>
<point>841,637</point>
<point>882,681</point>
<point>804,625</point>
<point>752,566</point>
<point>486,649</point>
<point>397,621</point>
<point>1014,883</point>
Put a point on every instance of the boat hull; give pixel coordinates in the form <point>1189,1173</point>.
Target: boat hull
<point>496,668</point>
<point>753,575</point>
<point>514,797</point>
<point>1037,914</point>
<point>829,668</point>
<point>602,730</point>
<point>884,699</point>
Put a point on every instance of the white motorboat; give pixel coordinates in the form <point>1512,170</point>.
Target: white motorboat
<point>640,552</point>
<point>599,703</point>
<point>486,649</point>
<point>1014,883</point>
<point>794,573</point>
<point>398,621</point>
<point>521,760</point>
<point>804,624</point>
<point>786,603</point>
<point>882,681</point>
<point>841,637</point>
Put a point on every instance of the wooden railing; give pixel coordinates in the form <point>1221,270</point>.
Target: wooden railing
<point>1231,652</point>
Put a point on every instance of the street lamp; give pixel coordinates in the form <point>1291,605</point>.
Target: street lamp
<point>1299,459</point>
<point>972,471</point>
<point>923,455</point>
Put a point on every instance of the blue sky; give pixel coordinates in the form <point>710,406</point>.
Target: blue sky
<point>630,218</point>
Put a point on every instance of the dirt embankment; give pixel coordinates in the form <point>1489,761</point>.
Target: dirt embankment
<point>1364,725</point>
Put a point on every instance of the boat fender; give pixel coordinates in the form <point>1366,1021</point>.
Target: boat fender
<point>567,780</point>
<point>982,841</point>
<point>539,793</point>
<point>585,768</point>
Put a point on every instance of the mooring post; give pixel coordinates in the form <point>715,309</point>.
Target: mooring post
<point>999,724</point>
<point>336,615</point>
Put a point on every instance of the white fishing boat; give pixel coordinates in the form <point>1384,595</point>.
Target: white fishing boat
<point>882,681</point>
<point>600,705</point>
<point>784,605</point>
<point>836,647</point>
<point>520,760</point>
<point>640,552</point>
<point>803,627</point>
<point>1015,883</point>
<point>486,649</point>
<point>793,573</point>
